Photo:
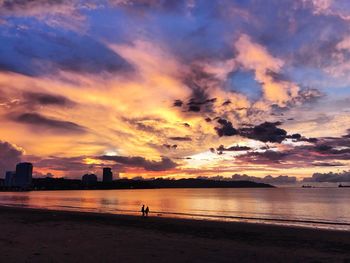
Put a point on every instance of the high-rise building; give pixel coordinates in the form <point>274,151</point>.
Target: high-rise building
<point>9,178</point>
<point>23,176</point>
<point>107,175</point>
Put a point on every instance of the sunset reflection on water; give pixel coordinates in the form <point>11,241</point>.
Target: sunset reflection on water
<point>280,205</point>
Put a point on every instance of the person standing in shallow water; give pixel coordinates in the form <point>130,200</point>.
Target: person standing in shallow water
<point>143,210</point>
<point>147,211</point>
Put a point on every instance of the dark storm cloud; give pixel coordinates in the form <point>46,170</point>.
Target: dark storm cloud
<point>327,164</point>
<point>40,121</point>
<point>183,139</point>
<point>163,165</point>
<point>236,148</point>
<point>227,102</point>
<point>199,82</point>
<point>178,103</point>
<point>296,137</point>
<point>9,157</point>
<point>226,128</point>
<point>47,99</point>
<point>200,102</point>
<point>196,104</point>
<point>265,132</point>
<point>194,108</point>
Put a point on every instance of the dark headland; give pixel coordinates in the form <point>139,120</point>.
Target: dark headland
<point>29,235</point>
<point>76,184</point>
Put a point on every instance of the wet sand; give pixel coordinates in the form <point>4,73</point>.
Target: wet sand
<point>29,235</point>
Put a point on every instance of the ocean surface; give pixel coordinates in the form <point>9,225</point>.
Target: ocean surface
<point>307,207</point>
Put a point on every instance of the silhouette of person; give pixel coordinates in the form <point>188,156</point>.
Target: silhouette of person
<point>147,211</point>
<point>143,210</point>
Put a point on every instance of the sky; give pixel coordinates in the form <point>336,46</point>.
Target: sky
<point>176,88</point>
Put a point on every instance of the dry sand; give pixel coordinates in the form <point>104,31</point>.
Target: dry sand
<point>29,235</point>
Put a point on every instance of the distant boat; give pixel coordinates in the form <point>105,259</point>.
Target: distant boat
<point>340,185</point>
<point>306,186</point>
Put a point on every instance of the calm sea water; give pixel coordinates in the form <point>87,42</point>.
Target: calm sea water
<point>313,207</point>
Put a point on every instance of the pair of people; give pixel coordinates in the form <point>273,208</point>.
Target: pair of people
<point>144,210</point>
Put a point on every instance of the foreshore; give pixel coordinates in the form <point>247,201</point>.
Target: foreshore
<point>33,235</point>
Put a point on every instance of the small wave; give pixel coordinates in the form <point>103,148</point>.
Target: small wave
<point>279,221</point>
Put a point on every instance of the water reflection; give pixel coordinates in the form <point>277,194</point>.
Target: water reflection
<point>294,205</point>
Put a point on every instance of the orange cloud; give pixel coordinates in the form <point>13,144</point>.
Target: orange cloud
<point>253,56</point>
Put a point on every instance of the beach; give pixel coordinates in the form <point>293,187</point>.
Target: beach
<point>33,235</point>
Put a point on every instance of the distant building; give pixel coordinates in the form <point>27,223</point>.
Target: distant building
<point>10,178</point>
<point>89,179</point>
<point>107,175</point>
<point>23,175</point>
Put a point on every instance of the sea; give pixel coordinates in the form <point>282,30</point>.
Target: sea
<point>326,208</point>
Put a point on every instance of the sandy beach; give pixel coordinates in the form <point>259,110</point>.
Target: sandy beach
<point>29,235</point>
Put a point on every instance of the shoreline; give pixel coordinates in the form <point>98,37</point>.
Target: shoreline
<point>39,235</point>
<point>294,223</point>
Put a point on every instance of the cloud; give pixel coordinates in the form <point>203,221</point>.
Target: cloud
<point>55,13</point>
<point>68,165</point>
<point>265,132</point>
<point>37,52</point>
<point>178,103</point>
<point>169,146</point>
<point>162,165</point>
<point>281,179</point>
<point>236,148</point>
<point>328,164</point>
<point>226,128</point>
<point>79,165</point>
<point>329,177</point>
<point>40,121</point>
<point>323,152</point>
<point>205,78</point>
<point>167,6</point>
<point>10,155</point>
<point>308,95</point>
<point>200,83</point>
<point>253,56</point>
<point>330,8</point>
<point>267,157</point>
<point>178,138</point>
<point>47,99</point>
<point>221,149</point>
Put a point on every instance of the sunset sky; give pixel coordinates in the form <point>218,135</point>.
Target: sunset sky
<point>175,88</point>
